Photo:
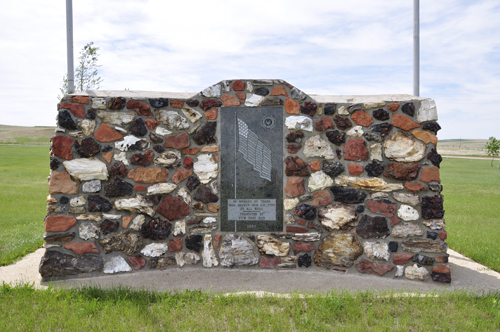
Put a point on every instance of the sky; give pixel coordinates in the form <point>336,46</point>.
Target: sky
<point>329,47</point>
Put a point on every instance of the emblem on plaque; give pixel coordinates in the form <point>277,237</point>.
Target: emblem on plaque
<point>268,122</point>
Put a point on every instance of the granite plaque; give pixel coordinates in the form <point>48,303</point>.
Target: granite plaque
<point>251,169</point>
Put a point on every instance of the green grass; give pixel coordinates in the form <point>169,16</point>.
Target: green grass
<point>472,203</point>
<point>93,309</point>
<point>23,190</point>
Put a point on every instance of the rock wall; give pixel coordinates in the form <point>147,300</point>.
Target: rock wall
<point>134,184</point>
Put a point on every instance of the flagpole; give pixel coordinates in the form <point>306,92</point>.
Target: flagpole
<point>416,47</point>
<point>69,41</point>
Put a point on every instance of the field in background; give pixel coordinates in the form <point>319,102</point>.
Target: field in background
<point>25,135</point>
<point>462,147</point>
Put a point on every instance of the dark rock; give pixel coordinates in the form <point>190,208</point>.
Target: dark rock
<point>355,107</point>
<point>315,226</point>
<point>261,91</point>
<point>442,258</point>
<point>65,120</point>
<point>366,266</point>
<point>209,103</point>
<point>159,148</point>
<point>118,188</point>
<point>155,138</point>
<point>138,128</point>
<point>161,262</point>
<point>436,187</point>
<point>60,237</point>
<point>98,203</point>
<point>322,124</point>
<point>126,241</point>
<point>402,172</point>
<point>139,145</point>
<point>305,260</point>
<point>393,246</point>
<point>298,95</point>
<point>64,200</point>
<point>381,114</point>
<point>332,168</point>
<point>107,148</point>
<point>118,169</point>
<point>347,195</point>
<point>360,209</point>
<point>143,159</point>
<point>194,242</point>
<point>173,208</point>
<point>294,137</point>
<point>434,157</point>
<point>432,207</point>
<point>374,169</point>
<point>192,182</point>
<point>423,245</point>
<point>336,137</point>
<point>432,127</point>
<point>339,153</point>
<point>329,109</point>
<point>159,102</point>
<point>296,166</point>
<point>432,235</point>
<point>155,199</point>
<point>305,211</point>
<point>116,103</point>
<point>54,264</point>
<point>378,131</point>
<point>205,195</point>
<point>193,220</point>
<point>108,226</point>
<point>309,108</point>
<point>409,109</point>
<point>372,227</point>
<point>198,206</point>
<point>441,273</point>
<point>342,123</point>
<point>156,229</point>
<point>54,163</point>
<point>355,150</point>
<point>91,114</point>
<point>87,147</point>
<point>192,102</point>
<point>272,101</point>
<point>206,133</point>
<point>422,259</point>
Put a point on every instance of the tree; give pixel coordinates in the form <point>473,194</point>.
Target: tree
<point>87,72</point>
<point>493,148</point>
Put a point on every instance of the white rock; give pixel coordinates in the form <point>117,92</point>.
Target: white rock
<point>91,217</point>
<point>212,91</point>
<point>374,105</point>
<point>236,250</point>
<point>342,111</point>
<point>410,199</point>
<point>91,186</point>
<point>59,130</point>
<point>208,253</point>
<point>253,100</point>
<point>299,123</point>
<point>111,216</point>
<point>289,219</point>
<point>191,114</point>
<point>184,195</point>
<point>137,204</point>
<point>206,168</point>
<point>162,131</point>
<point>214,185</point>
<point>317,147</point>
<point>154,249</point>
<point>137,222</point>
<point>249,87</point>
<point>290,203</point>
<point>403,148</point>
<point>400,270</point>
<point>168,159</point>
<point>319,180</point>
<point>116,118</point>
<point>376,184</point>
<point>209,220</point>
<point>377,250</point>
<point>183,258</point>
<point>76,134</point>
<point>406,229</point>
<point>77,201</point>
<point>77,210</point>
<point>179,228</point>
<point>120,129</point>
<point>99,103</point>
<point>127,142</point>
<point>116,264</point>
<point>335,216</point>
<point>376,151</point>
<point>161,188</point>
<point>269,245</point>
<point>356,131</point>
<point>121,157</point>
<point>84,169</point>
<point>306,237</point>
<point>427,111</point>
<point>416,272</point>
<point>87,126</point>
<point>88,231</point>
<point>435,224</point>
<point>226,86</point>
<point>379,195</point>
<point>407,213</point>
<point>171,120</point>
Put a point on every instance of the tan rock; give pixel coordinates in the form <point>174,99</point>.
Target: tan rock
<point>417,272</point>
<point>377,250</point>
<point>406,229</point>
<point>126,220</point>
<point>210,148</point>
<point>375,184</point>
<point>85,169</point>
<point>161,188</point>
<point>317,147</point>
<point>61,183</point>
<point>295,186</point>
<point>148,175</point>
<point>191,114</point>
<point>269,245</point>
<point>425,136</point>
<point>136,204</point>
<point>338,250</point>
<point>108,156</point>
<point>430,174</point>
<point>319,181</point>
<point>336,216</point>
<point>403,148</point>
<point>206,168</point>
<point>117,118</point>
<point>376,151</point>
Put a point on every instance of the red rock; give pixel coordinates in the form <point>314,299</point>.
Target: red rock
<point>366,266</point>
<point>355,169</point>
<point>315,165</point>
<point>210,148</point>
<point>441,273</point>
<point>207,104</point>
<point>139,107</point>
<point>443,235</point>
<point>425,136</point>
<point>175,245</point>
<point>81,248</point>
<point>241,96</point>
<point>213,208</point>
<point>402,172</point>
<point>414,187</point>
<point>217,238</point>
<point>216,156</point>
<point>293,148</point>
<point>430,174</point>
<point>295,186</point>
<point>313,225</point>
<point>291,106</point>
<point>151,123</point>
<point>190,151</point>
<point>269,263</point>
<point>394,221</point>
<point>106,134</point>
<point>138,262</point>
<point>188,163</point>
<point>301,222</point>
<point>279,90</point>
<point>355,150</point>
<point>148,174</point>
<point>296,229</point>
<point>442,258</point>
<point>126,220</point>
<point>296,166</point>
<point>176,103</point>
<point>140,188</point>
<point>321,198</point>
<point>180,175</point>
<point>229,100</point>
<point>401,259</point>
<point>393,107</point>
<point>61,147</point>
<point>179,141</point>
<point>361,118</point>
<point>212,114</point>
<point>323,124</point>
<point>172,208</point>
<point>79,99</point>
<point>58,223</point>
<point>238,85</point>
<point>61,183</point>
<point>77,110</point>
<point>302,247</point>
<point>383,207</point>
<point>108,156</point>
<point>403,122</point>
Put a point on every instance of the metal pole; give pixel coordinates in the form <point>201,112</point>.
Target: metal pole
<point>416,47</point>
<point>69,40</point>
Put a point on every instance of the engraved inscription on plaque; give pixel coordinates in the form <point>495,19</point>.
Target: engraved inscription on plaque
<point>251,169</point>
